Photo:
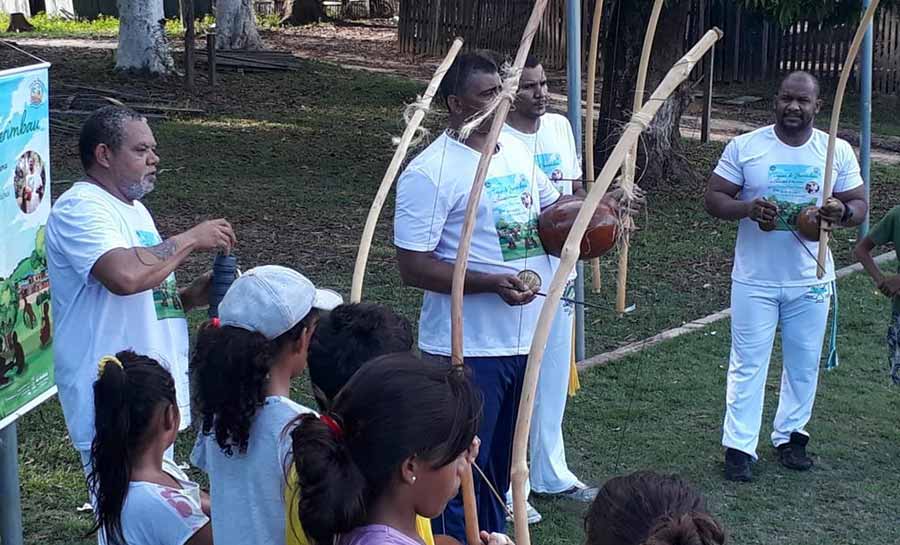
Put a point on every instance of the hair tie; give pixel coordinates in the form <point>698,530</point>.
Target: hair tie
<point>216,322</point>
<point>335,428</point>
<point>106,360</point>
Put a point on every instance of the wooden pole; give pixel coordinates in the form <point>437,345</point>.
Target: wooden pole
<point>629,167</point>
<point>465,240</point>
<point>736,52</point>
<point>589,122</point>
<point>568,257</point>
<point>707,98</point>
<point>187,16</point>
<point>211,55</point>
<point>824,227</point>
<point>365,244</point>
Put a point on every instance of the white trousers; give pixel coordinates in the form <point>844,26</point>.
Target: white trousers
<point>756,311</point>
<point>549,472</point>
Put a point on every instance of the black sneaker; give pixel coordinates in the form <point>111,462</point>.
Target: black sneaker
<point>793,453</point>
<point>737,466</point>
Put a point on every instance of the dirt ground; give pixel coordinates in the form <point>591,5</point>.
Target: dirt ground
<point>373,47</point>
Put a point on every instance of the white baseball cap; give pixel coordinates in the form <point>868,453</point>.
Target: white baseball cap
<point>272,299</point>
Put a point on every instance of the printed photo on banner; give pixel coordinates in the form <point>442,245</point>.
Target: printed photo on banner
<point>26,363</point>
<point>30,182</point>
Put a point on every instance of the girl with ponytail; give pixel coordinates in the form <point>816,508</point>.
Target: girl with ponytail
<point>243,365</point>
<point>391,447</point>
<point>141,496</point>
<point>646,508</point>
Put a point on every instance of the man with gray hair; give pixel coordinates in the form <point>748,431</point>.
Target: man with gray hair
<point>113,275</point>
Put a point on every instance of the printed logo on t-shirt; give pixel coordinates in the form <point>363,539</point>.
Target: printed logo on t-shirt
<point>183,506</point>
<point>515,214</point>
<point>551,165</point>
<point>818,293</point>
<point>165,296</point>
<point>792,188</point>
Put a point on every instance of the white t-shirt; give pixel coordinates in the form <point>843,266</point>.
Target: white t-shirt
<point>89,320</point>
<point>554,150</point>
<point>33,182</point>
<point>154,514</point>
<point>792,177</point>
<point>431,205</point>
<point>247,490</point>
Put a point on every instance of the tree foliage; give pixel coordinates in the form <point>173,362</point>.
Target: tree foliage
<point>9,305</point>
<point>787,12</point>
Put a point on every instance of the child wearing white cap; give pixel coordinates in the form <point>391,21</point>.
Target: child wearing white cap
<point>243,365</point>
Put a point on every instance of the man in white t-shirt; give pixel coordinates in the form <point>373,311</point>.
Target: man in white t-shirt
<point>550,139</point>
<point>499,311</point>
<point>764,179</point>
<point>112,274</point>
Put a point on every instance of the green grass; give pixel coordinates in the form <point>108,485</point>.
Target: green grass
<point>293,159</point>
<point>106,26</point>
<point>662,409</point>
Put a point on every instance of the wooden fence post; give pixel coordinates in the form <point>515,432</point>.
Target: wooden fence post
<point>187,19</point>
<point>707,98</point>
<point>211,55</point>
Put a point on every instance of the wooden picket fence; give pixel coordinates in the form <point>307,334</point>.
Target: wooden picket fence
<point>753,49</point>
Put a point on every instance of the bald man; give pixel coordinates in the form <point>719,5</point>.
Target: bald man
<point>763,178</point>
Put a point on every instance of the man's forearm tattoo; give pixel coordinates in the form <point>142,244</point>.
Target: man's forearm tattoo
<point>162,251</point>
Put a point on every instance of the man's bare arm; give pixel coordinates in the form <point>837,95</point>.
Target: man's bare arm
<point>721,200</point>
<point>126,271</point>
<point>423,270</point>
<point>854,202</point>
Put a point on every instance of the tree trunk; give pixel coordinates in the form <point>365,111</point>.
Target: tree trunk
<point>659,151</point>
<point>60,8</point>
<point>302,12</point>
<point>18,23</point>
<point>236,25</point>
<point>355,9</point>
<point>142,37</point>
<point>187,19</point>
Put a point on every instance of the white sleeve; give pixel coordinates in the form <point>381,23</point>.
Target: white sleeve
<point>155,515</point>
<point>729,166</point>
<point>421,211</point>
<point>573,152</point>
<point>547,191</point>
<point>847,175</point>
<point>83,231</point>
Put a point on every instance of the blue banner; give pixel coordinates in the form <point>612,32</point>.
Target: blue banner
<point>26,355</point>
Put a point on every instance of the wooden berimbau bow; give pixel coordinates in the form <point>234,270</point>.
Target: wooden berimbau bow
<point>365,243</point>
<point>628,169</point>
<point>590,91</point>
<point>639,121</point>
<point>462,255</point>
<point>824,227</point>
